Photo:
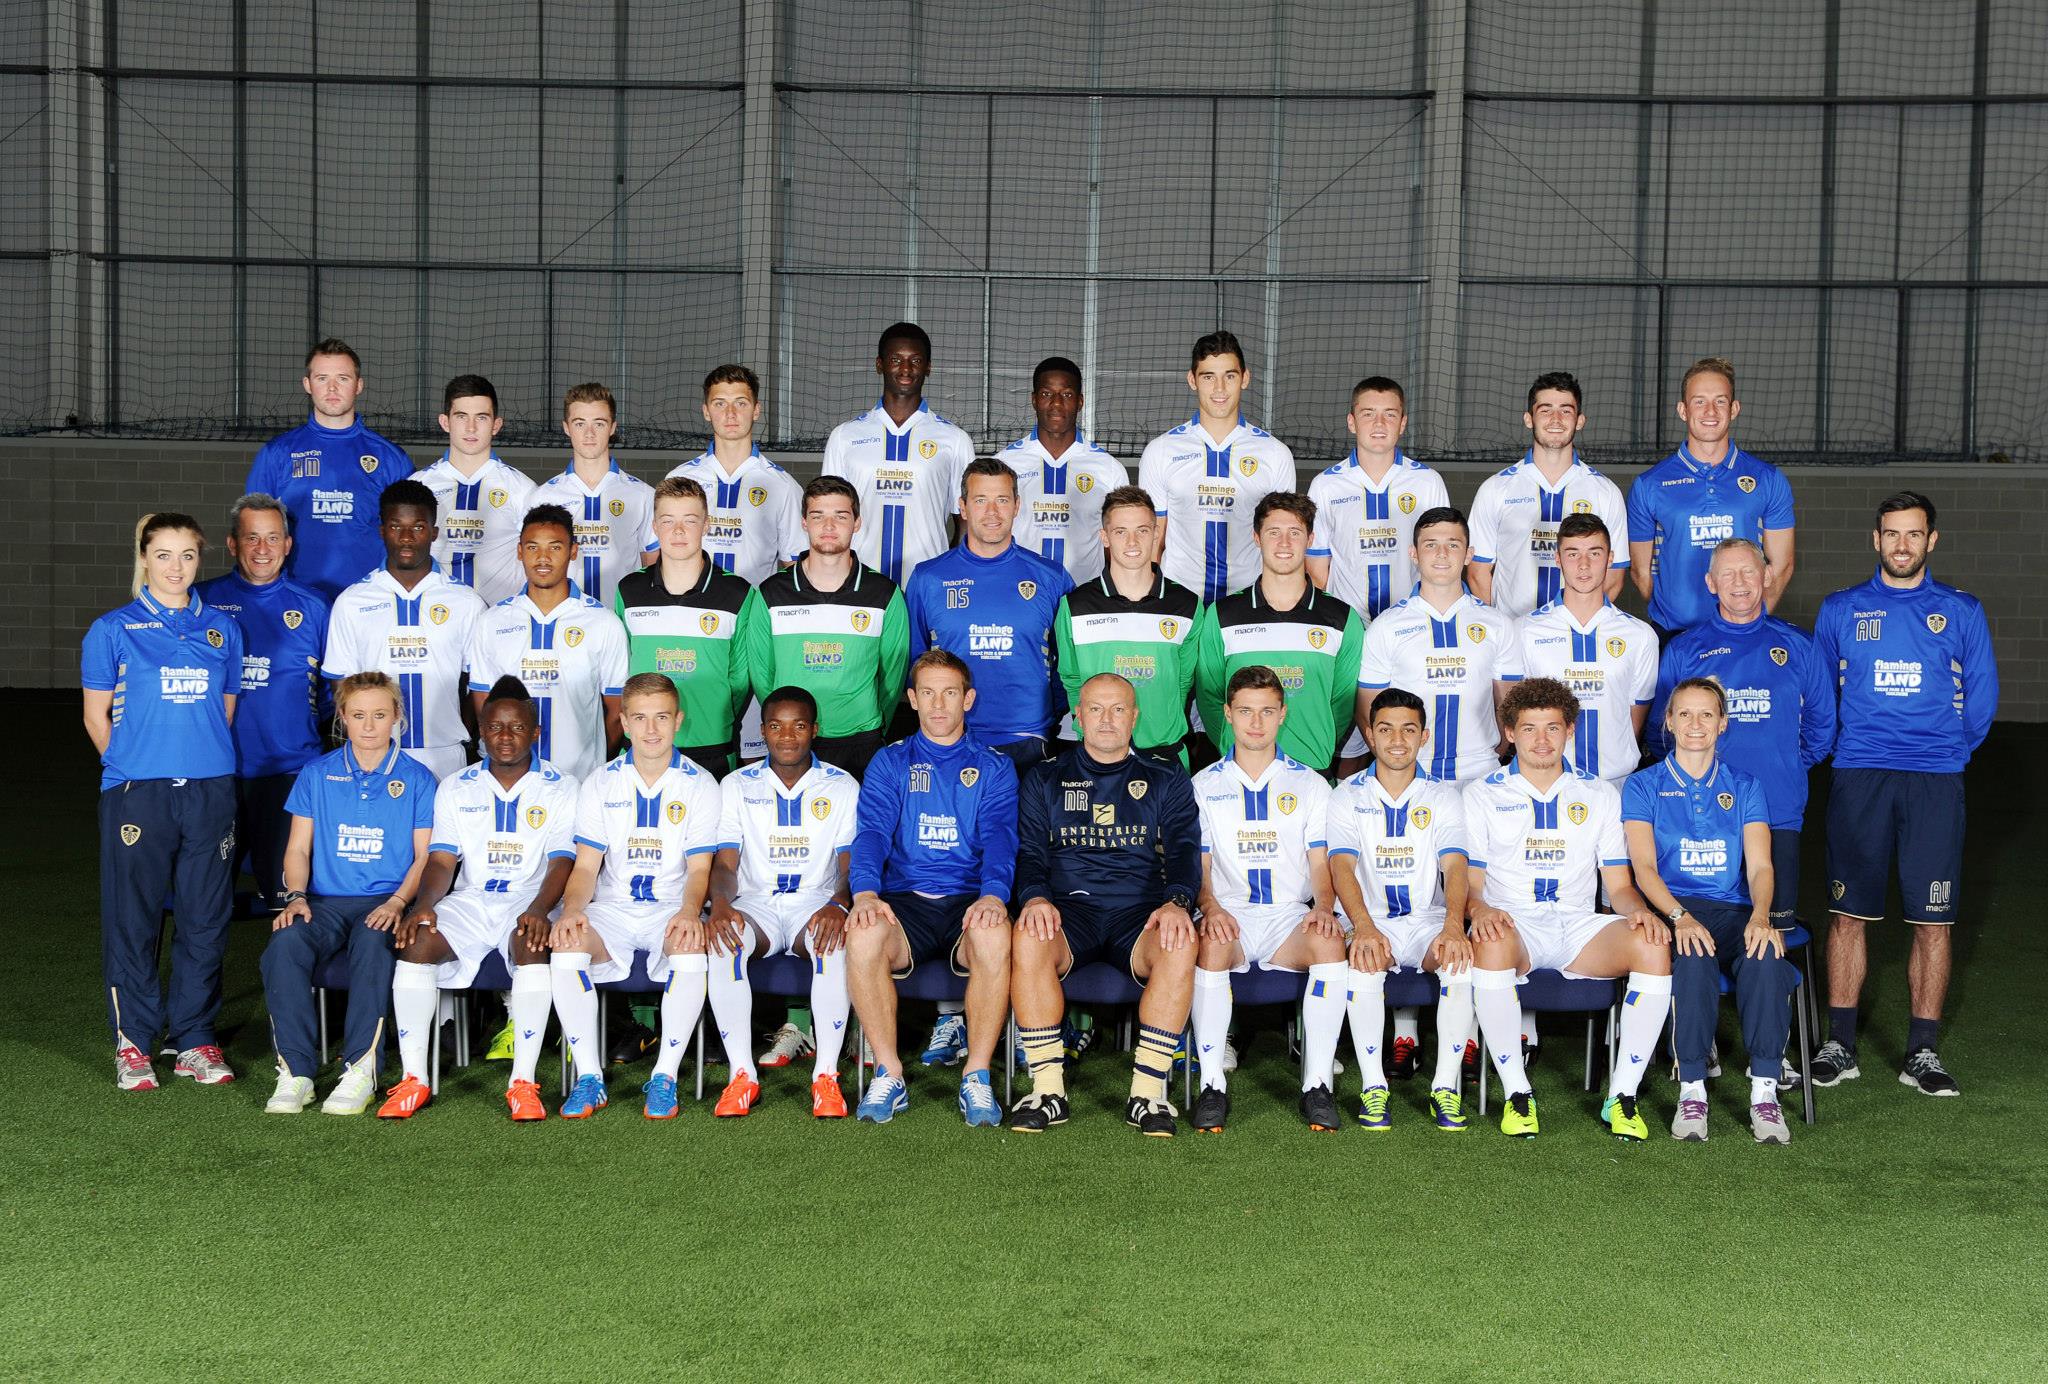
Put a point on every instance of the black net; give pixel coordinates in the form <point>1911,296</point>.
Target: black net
<point>1846,200</point>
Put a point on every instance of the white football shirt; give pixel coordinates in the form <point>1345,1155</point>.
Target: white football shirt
<point>570,660</point>
<point>614,525</point>
<point>647,834</point>
<point>1258,832</point>
<point>1451,661</point>
<point>1207,494</point>
<point>755,523</point>
<point>1398,843</point>
<point>1610,666</point>
<point>480,518</point>
<point>505,837</point>
<point>789,840</point>
<point>1365,529</point>
<point>420,638</point>
<point>908,480</point>
<point>1543,848</point>
<point>1059,503</point>
<point>1514,526</point>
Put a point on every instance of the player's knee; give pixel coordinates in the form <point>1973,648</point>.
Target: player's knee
<point>1212,955</point>
<point>1495,954</point>
<point>1650,958</point>
<point>1180,961</point>
<point>988,946</point>
<point>1322,949</point>
<point>525,953</point>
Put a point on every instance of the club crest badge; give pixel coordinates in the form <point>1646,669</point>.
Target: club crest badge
<point>1406,504</point>
<point>1084,484</point>
<point>1726,800</point>
<point>757,495</point>
<point>617,508</point>
<point>1837,888</point>
<point>1247,467</point>
<point>573,636</point>
<point>294,618</point>
<point>1169,628</point>
<point>861,621</point>
<point>216,638</point>
<point>497,497</point>
<point>1419,816</point>
<point>536,817</point>
<point>1616,647</point>
<point>1577,812</point>
<point>1582,506</point>
<point>676,811</point>
<point>1136,788</point>
<point>396,788</point>
<point>969,776</point>
<point>438,614</point>
<point>708,622</point>
<point>927,449</point>
<point>1318,638</point>
<point>1288,802</point>
<point>1781,656</point>
<point>1476,632</point>
<point>130,833</point>
<point>1746,484</point>
<point>369,465</point>
<point>821,808</point>
<point>1027,589</point>
<point>1936,623</point>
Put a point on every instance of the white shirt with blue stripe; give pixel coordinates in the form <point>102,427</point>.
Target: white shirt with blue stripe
<point>647,832</point>
<point>614,525</point>
<point>480,517</point>
<point>1366,527</point>
<point>754,519</point>
<point>1059,501</point>
<point>1610,666</point>
<point>1514,527</point>
<point>570,659</point>
<point>1543,849</point>
<point>789,839</point>
<point>363,819</point>
<point>908,480</point>
<point>1399,842</point>
<point>505,837</point>
<point>1207,492</point>
<point>1257,832</point>
<point>421,638</point>
<point>1451,660</point>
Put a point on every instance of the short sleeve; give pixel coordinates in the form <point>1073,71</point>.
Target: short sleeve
<point>729,834</point>
<point>1151,479</point>
<point>845,812</point>
<point>1450,829</point>
<point>1485,520</point>
<point>424,793</point>
<point>1319,536</point>
<point>1340,821</point>
<point>1638,799</point>
<point>1642,519</point>
<point>1778,503</point>
<point>99,663</point>
<point>306,790</point>
<point>1754,808</point>
<point>1613,841</point>
<point>616,656</point>
<point>1474,809</point>
<point>1508,666</point>
<point>1316,831</point>
<point>591,828</point>
<point>483,669</point>
<point>344,653</point>
<point>1376,665</point>
<point>1614,514</point>
<point>560,840</point>
<point>701,833</point>
<point>446,838</point>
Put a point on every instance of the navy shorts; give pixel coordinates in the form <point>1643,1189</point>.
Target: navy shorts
<point>931,927</point>
<point>1099,932</point>
<point>1876,813</point>
<point>1784,876</point>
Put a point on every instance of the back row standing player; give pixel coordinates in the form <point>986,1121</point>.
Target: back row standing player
<point>482,500</point>
<point>328,473</point>
<point>754,508</point>
<point>1206,476</point>
<point>903,461</point>
<point>1062,478</point>
<point>613,510</point>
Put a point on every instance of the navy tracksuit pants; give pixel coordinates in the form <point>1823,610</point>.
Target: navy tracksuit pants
<point>297,954</point>
<point>1763,995</point>
<point>162,837</point>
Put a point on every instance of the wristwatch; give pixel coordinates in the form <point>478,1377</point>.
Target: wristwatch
<point>1676,913</point>
<point>1181,899</point>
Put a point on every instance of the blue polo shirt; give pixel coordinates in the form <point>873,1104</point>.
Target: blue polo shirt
<point>996,614</point>
<point>1698,824</point>
<point>329,480</point>
<point>170,672</point>
<point>1685,508</point>
<point>363,819</point>
<point>284,698</point>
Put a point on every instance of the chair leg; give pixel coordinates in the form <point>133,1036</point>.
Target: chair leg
<point>860,1066</point>
<point>1009,1056</point>
<point>434,1055</point>
<point>1805,1055</point>
<point>1812,1005</point>
<point>700,1054</point>
<point>320,1004</point>
<point>1587,1085</point>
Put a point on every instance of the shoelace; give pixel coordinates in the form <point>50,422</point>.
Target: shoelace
<point>1693,1109</point>
<point>1375,1102</point>
<point>132,1060</point>
<point>211,1055</point>
<point>978,1095</point>
<point>883,1090</point>
<point>1770,1112</point>
<point>1925,1064</point>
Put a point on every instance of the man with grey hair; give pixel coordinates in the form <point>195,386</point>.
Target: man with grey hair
<point>277,726</point>
<point>1781,698</point>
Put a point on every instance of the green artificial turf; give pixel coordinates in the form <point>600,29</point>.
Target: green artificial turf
<point>186,1235</point>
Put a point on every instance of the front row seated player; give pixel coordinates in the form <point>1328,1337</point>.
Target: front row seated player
<point>1108,866</point>
<point>1397,862</point>
<point>1699,834</point>
<point>1265,896</point>
<point>506,824</point>
<point>358,841</point>
<point>1540,834</point>
<point>778,885</point>
<point>646,824</point>
<point>933,853</point>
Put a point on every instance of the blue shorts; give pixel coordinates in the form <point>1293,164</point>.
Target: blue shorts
<point>1096,931</point>
<point>1876,813</point>
<point>931,927</point>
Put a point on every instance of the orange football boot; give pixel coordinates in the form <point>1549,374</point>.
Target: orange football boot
<point>523,1099</point>
<point>828,1102</point>
<point>739,1097</point>
<point>402,1101</point>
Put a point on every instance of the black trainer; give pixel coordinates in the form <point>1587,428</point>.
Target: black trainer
<point>1833,1063</point>
<point>1038,1112</point>
<point>634,1043</point>
<point>1924,1070</point>
<point>1150,1117</point>
<point>1403,1061</point>
<point>1319,1108</point>
<point>1212,1110</point>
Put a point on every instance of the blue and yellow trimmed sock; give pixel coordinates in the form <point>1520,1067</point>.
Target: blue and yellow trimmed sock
<point>1153,1062</point>
<point>1045,1053</point>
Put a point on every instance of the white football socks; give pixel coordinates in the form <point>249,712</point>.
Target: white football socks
<point>415,1003</point>
<point>1500,1026</point>
<point>1322,1022</point>
<point>1368,1013</point>
<point>1643,1011</point>
<point>576,1006</point>
<point>830,1009</point>
<point>732,1006</point>
<point>1210,1016</point>
<point>1453,1028</point>
<point>682,1002</point>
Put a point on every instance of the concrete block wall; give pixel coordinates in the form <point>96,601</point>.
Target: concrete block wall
<point>72,505</point>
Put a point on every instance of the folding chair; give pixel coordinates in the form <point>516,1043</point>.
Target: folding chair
<point>1100,983</point>
<point>635,982</point>
<point>932,980</point>
<point>1552,992</point>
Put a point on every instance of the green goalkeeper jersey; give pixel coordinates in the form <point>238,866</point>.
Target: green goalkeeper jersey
<point>848,648</point>
<point>698,638</point>
<point>1314,648</point>
<point>1149,641</point>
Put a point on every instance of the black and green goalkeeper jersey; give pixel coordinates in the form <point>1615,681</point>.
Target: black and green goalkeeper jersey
<point>848,648</point>
<point>698,638</point>
<point>1314,648</point>
<point>1149,641</point>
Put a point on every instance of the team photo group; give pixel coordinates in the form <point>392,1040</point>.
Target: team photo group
<point>1002,717</point>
